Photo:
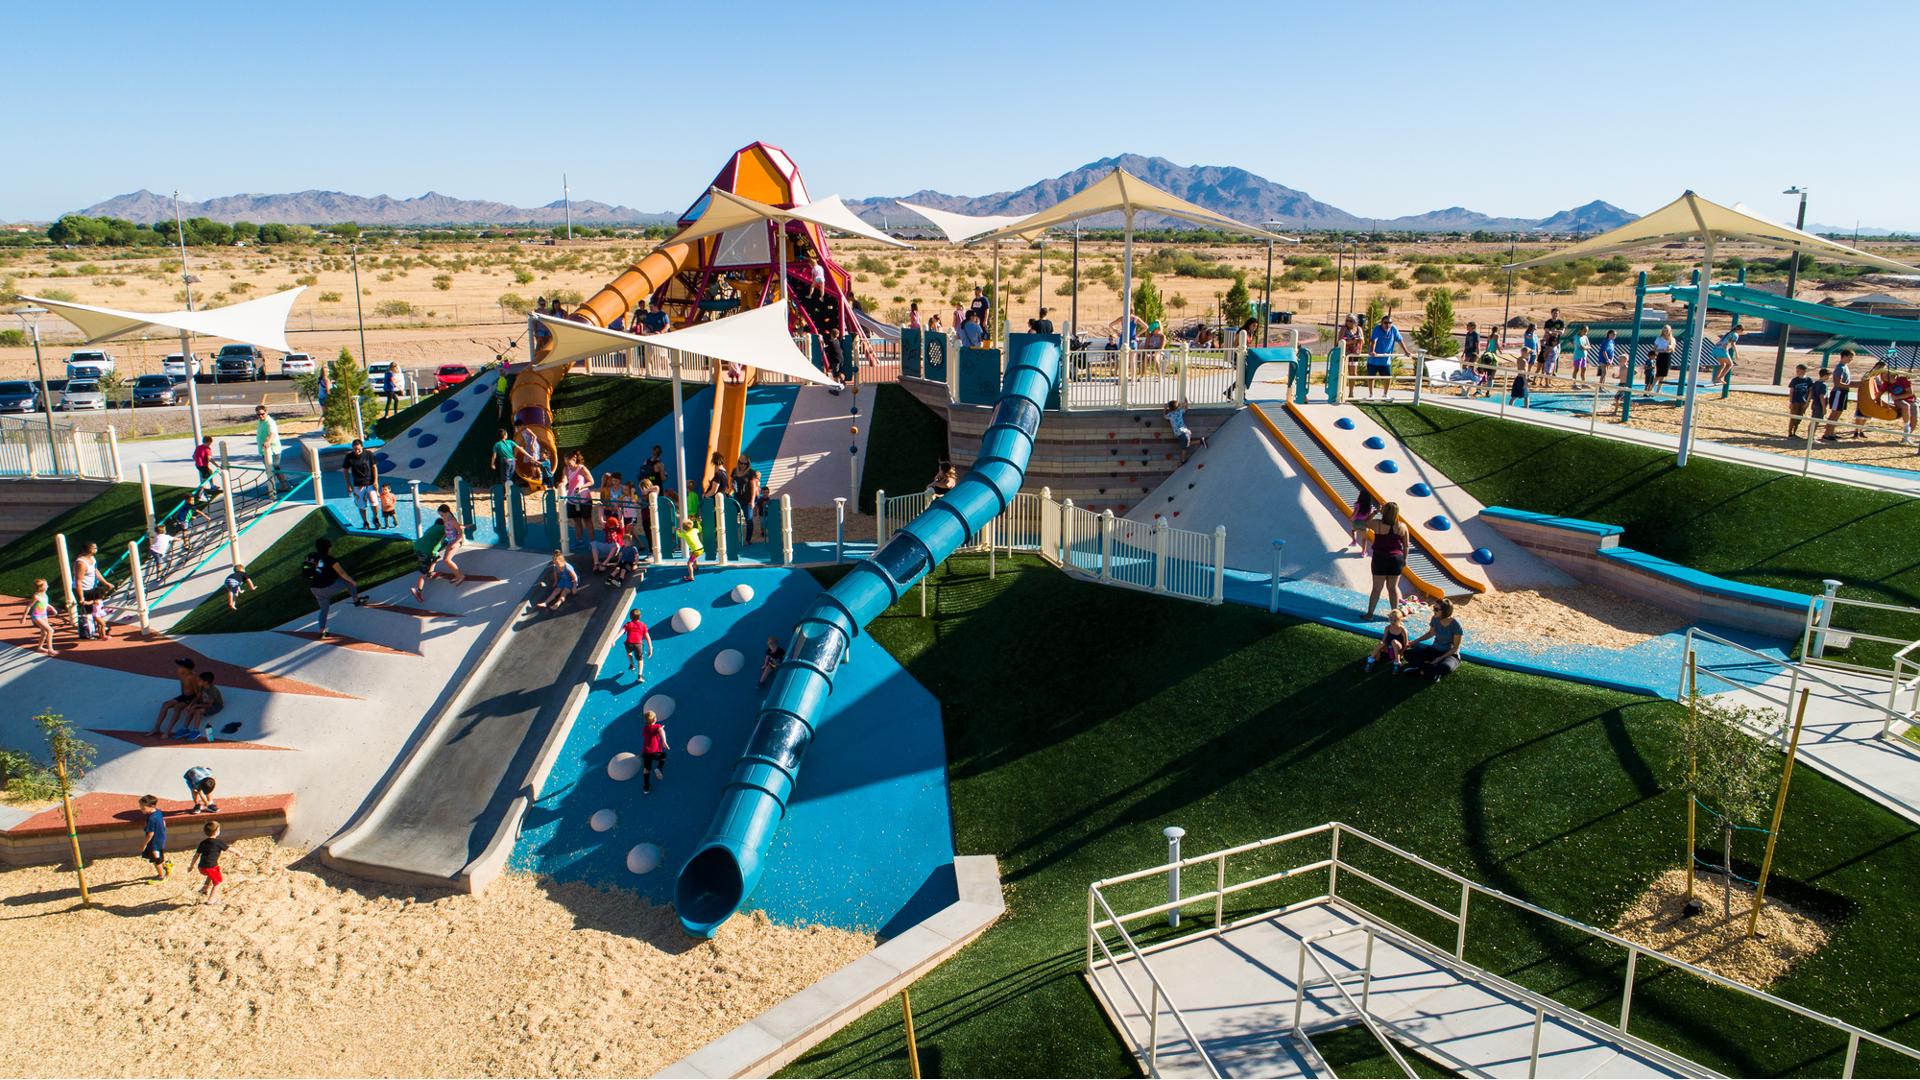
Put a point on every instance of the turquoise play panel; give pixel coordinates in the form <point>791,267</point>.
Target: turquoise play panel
<point>868,840</point>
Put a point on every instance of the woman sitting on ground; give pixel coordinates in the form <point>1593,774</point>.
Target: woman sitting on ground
<point>1441,657</point>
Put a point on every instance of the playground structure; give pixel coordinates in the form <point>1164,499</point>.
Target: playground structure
<point>706,277</point>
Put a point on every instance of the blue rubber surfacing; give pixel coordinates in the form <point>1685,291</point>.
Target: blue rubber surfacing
<point>868,841</point>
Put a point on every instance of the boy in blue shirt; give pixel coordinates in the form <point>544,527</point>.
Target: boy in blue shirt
<point>1609,351</point>
<point>1799,396</point>
<point>154,846</point>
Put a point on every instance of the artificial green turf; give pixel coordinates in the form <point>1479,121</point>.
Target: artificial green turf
<point>280,595</point>
<point>1353,1052</point>
<point>110,519</point>
<point>1743,523</point>
<point>1080,720</point>
<point>905,444</point>
<point>595,414</point>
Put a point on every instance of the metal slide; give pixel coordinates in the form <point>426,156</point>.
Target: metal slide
<point>728,862</point>
<point>1426,574</point>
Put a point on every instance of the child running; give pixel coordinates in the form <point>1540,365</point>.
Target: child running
<point>154,845</point>
<point>1393,643</point>
<point>565,580</point>
<point>237,580</point>
<point>206,859</point>
<point>653,753</point>
<point>689,535</point>
<point>639,645</point>
<point>39,612</point>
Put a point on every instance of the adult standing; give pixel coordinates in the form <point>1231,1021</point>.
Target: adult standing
<point>978,305</point>
<point>655,320</point>
<point>363,475</point>
<point>1043,325</point>
<point>266,439</point>
<point>1553,330</point>
<point>1390,540</point>
<point>390,387</point>
<point>1386,339</point>
<point>1437,652</point>
<point>324,576</point>
<point>1842,392</point>
<point>86,572</point>
<point>578,484</point>
<point>972,336</point>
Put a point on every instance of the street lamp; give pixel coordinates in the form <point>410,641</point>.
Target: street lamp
<point>186,340</point>
<point>31,317</point>
<point>1266,324</point>
<point>1793,278</point>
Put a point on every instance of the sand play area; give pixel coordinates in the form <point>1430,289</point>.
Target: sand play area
<point>305,972</point>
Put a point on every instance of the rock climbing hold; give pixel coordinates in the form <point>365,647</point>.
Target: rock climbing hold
<point>1483,556</point>
<point>1439,523</point>
<point>1375,442</point>
<point>1345,423</point>
<point>1389,466</point>
<point>1419,491</point>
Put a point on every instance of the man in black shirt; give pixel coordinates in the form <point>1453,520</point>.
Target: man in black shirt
<point>1043,325</point>
<point>362,476</point>
<point>1554,329</point>
<point>978,305</point>
<point>323,575</point>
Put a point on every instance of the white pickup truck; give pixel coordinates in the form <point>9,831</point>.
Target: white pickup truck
<point>89,364</point>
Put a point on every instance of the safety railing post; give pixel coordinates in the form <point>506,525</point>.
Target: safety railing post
<point>66,577</point>
<point>226,501</point>
<point>1853,1055</point>
<point>1460,938</point>
<point>139,581</point>
<point>720,502</point>
<point>786,530</point>
<point>839,528</point>
<point>1219,564</point>
<point>1626,988</point>
<point>1220,890</point>
<point>1419,376</point>
<point>1153,1029</point>
<point>1273,596</point>
<point>146,495</point>
<point>113,454</point>
<point>1106,545</point>
<point>1186,360</point>
<point>415,499</point>
<point>506,512</point>
<point>1159,554</point>
<point>1066,523</point>
<point>653,515</point>
<point>1300,984</point>
<point>1366,971</point>
<point>1090,929</point>
<point>879,519</point>
<point>563,524</point>
<point>1819,644</point>
<point>1173,833</point>
<point>1539,1023</point>
<point>1333,866</point>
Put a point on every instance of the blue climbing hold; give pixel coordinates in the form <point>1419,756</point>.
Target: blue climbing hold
<point>1419,491</point>
<point>417,463</point>
<point>449,405</point>
<point>383,461</point>
<point>1483,556</point>
<point>1439,523</point>
<point>428,440</point>
<point>454,417</point>
<point>1389,466</point>
<point>413,433</point>
<point>483,388</point>
<point>1375,442</point>
<point>1345,423</point>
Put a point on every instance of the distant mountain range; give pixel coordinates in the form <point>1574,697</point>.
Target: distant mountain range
<point>1229,190</point>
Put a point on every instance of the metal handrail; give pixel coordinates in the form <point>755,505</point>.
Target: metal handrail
<point>1799,670</point>
<point>1309,951</point>
<point>1159,992</point>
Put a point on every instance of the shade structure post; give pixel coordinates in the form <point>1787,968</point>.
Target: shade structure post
<point>226,502</point>
<point>786,529</point>
<point>113,453</point>
<point>66,577</point>
<point>1126,311</point>
<point>720,528</point>
<point>146,494</point>
<point>653,515</point>
<point>996,329</point>
<point>139,581</point>
<point>839,529</point>
<point>679,445</point>
<point>313,468</point>
<point>1073,299</point>
<point>780,253</point>
<point>1696,348</point>
<point>415,498</point>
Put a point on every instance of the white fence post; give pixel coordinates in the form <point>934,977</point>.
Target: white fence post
<point>720,528</point>
<point>563,527</point>
<point>1219,564</point>
<point>226,501</point>
<point>1066,530</point>
<point>1419,376</point>
<point>146,494</point>
<point>880,519</point>
<point>417,528</point>
<point>1106,545</point>
<point>313,467</point>
<point>1273,598</point>
<point>1819,647</point>
<point>113,454</point>
<point>139,581</point>
<point>1049,525</point>
<point>1159,554</point>
<point>66,576</point>
<point>786,530</point>
<point>653,515</point>
<point>1186,359</point>
<point>839,527</point>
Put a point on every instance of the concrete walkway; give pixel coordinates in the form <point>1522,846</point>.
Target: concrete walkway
<point>181,595</point>
<point>1236,990</point>
<point>811,467</point>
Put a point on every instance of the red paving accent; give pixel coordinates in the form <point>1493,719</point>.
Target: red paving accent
<point>99,811</point>
<point>145,737</point>
<point>416,612</point>
<point>344,642</point>
<point>146,652</point>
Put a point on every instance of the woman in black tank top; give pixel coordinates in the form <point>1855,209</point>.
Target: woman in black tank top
<point>1389,555</point>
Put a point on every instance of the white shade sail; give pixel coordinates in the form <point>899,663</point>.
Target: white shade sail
<point>1691,217</point>
<point>261,322</point>
<point>1121,190</point>
<point>727,211</point>
<point>757,338</point>
<point>960,228</point>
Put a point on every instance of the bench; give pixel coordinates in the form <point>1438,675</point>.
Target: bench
<point>110,824</point>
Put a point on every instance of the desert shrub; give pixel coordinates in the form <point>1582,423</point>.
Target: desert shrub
<point>329,297</point>
<point>443,282</point>
<point>1373,272</point>
<point>1428,274</point>
<point>393,308</point>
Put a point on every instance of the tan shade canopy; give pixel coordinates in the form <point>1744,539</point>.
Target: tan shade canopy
<point>261,322</point>
<point>960,228</point>
<point>727,211</point>
<point>1691,217</point>
<point>756,338</point>
<point>1121,190</point>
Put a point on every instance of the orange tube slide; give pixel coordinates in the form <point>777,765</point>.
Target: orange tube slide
<point>533,388</point>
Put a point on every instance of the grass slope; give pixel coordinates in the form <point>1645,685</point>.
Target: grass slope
<point>1068,751</point>
<point>109,519</point>
<point>595,414</point>
<point>280,594</point>
<point>905,442</point>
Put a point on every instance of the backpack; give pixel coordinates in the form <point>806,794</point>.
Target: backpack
<point>312,570</point>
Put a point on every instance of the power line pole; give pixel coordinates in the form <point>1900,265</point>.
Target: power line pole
<point>566,196</point>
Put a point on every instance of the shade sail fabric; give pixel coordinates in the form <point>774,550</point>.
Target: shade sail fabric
<point>1122,190</point>
<point>756,338</point>
<point>727,211</point>
<point>960,228</point>
<point>261,322</point>
<point>1691,217</point>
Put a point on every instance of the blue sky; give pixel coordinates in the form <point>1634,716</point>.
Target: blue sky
<point>1380,109</point>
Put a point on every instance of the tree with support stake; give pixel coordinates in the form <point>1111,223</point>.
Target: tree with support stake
<point>1729,774</point>
<point>72,757</point>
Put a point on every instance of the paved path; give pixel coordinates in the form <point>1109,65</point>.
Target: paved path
<point>180,596</point>
<point>1237,992</point>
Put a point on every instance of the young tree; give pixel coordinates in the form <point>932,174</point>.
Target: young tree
<point>1377,308</point>
<point>1730,771</point>
<point>1146,299</point>
<point>72,757</point>
<point>1435,335</point>
<point>346,380</point>
<point>1239,306</point>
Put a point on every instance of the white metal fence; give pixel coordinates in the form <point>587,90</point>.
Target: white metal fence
<point>29,450</point>
<point>1205,378</point>
<point>1153,557</point>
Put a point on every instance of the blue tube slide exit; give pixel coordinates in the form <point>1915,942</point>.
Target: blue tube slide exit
<point>726,866</point>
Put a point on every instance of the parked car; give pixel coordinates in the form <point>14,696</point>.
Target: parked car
<point>83,394</point>
<point>176,364</point>
<point>89,363</point>
<point>19,396</point>
<point>451,375</point>
<point>239,363</point>
<point>157,390</point>
<point>377,377</point>
<point>296,363</point>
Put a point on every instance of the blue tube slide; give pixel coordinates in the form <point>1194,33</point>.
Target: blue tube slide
<point>726,866</point>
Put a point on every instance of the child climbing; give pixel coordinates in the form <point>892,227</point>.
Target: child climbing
<point>1393,643</point>
<point>653,753</point>
<point>1176,414</point>
<point>689,535</point>
<point>775,654</point>
<point>237,579</point>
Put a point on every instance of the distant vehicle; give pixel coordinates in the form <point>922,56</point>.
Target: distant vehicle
<point>19,396</point>
<point>89,364</point>
<point>296,363</point>
<point>239,363</point>
<point>175,364</point>
<point>451,375</point>
<point>157,390</point>
<point>82,394</point>
<point>377,377</point>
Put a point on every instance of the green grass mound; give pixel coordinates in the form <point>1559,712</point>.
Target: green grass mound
<point>280,595</point>
<point>905,442</point>
<point>110,519</point>
<point>594,414</point>
<point>1069,750</point>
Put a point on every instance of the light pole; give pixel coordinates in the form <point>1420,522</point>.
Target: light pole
<point>360,316</point>
<point>1266,323</point>
<point>1513,249</point>
<point>1793,279</point>
<point>566,197</point>
<point>186,339</point>
<point>31,317</point>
